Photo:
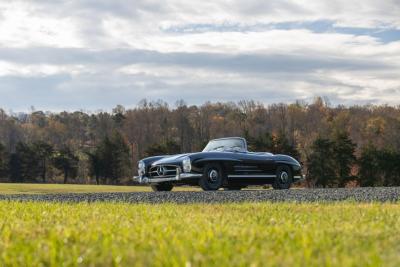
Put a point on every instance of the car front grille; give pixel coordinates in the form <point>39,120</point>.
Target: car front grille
<point>163,171</point>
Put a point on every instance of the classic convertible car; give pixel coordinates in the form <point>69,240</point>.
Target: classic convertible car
<point>223,163</point>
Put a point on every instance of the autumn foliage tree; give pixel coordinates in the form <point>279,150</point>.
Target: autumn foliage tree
<point>155,127</point>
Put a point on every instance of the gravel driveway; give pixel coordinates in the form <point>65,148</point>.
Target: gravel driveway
<point>366,194</point>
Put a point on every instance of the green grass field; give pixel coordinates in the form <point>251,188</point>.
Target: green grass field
<point>9,188</point>
<point>262,234</point>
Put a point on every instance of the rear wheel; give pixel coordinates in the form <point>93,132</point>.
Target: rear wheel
<point>162,187</point>
<point>212,178</point>
<point>284,178</point>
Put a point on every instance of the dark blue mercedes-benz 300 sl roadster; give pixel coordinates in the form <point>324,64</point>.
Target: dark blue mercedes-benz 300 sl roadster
<point>224,163</point>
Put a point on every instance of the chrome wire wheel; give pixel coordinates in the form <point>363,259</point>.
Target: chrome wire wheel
<point>212,178</point>
<point>213,175</point>
<point>284,177</point>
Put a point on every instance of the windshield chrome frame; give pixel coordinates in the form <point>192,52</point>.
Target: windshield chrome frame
<point>229,138</point>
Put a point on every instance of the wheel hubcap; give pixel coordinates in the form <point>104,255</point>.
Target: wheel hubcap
<point>213,175</point>
<point>284,177</point>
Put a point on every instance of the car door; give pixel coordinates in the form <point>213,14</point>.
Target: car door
<point>253,168</point>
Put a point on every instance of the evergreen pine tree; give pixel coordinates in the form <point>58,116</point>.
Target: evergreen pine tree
<point>170,147</point>
<point>282,146</point>
<point>343,152</point>
<point>368,173</point>
<point>111,159</point>
<point>120,153</point>
<point>24,164</point>
<point>67,162</point>
<point>44,152</point>
<point>3,161</point>
<point>321,162</point>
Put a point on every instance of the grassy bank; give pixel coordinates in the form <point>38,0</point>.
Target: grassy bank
<point>10,188</point>
<point>263,234</point>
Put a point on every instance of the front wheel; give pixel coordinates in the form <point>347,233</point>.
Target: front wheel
<point>212,178</point>
<point>162,187</point>
<point>283,178</point>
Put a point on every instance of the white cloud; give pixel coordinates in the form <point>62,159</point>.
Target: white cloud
<point>99,53</point>
<point>20,27</point>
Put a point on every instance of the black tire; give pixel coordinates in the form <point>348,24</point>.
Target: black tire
<point>162,187</point>
<point>212,178</point>
<point>284,178</point>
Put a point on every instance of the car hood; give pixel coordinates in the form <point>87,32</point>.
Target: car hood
<point>173,159</point>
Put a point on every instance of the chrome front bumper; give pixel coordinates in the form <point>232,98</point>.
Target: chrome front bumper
<point>179,176</point>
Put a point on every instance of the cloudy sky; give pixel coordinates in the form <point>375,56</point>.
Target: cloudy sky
<point>95,54</point>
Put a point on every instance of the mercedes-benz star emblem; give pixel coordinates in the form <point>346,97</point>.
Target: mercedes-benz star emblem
<point>161,170</point>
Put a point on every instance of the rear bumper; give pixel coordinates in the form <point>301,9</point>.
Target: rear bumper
<point>178,177</point>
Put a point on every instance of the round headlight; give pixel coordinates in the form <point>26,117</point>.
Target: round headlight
<point>186,164</point>
<point>141,168</point>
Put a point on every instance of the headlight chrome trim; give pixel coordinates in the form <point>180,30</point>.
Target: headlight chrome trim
<point>141,168</point>
<point>186,164</point>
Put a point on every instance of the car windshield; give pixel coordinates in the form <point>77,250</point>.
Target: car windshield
<point>225,145</point>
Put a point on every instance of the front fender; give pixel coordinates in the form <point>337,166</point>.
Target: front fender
<point>148,161</point>
<point>292,162</point>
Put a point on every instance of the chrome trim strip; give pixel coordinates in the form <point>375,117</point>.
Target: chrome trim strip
<point>190,175</point>
<point>300,177</point>
<point>244,167</point>
<point>251,176</point>
<point>178,177</point>
<point>248,170</point>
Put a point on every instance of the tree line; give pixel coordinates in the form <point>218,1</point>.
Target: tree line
<point>338,145</point>
<point>40,161</point>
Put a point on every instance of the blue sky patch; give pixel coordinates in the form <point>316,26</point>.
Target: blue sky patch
<point>385,35</point>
